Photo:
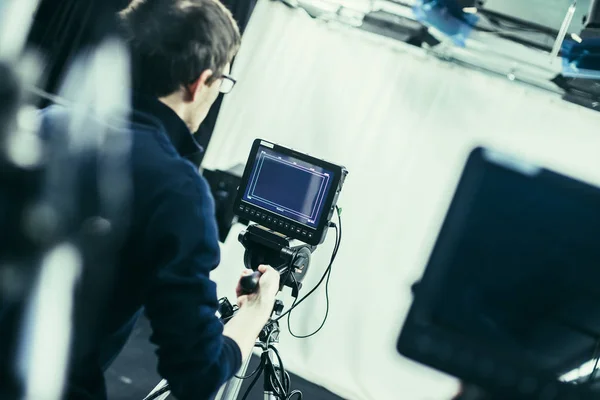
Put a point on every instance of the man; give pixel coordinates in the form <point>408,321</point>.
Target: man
<point>181,51</point>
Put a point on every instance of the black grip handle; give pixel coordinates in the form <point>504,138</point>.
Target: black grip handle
<point>249,283</point>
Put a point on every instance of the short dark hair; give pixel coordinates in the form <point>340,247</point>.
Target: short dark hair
<point>173,41</point>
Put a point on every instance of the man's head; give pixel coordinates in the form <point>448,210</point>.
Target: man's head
<point>180,50</point>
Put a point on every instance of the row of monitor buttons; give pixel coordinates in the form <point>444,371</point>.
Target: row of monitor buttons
<point>286,226</point>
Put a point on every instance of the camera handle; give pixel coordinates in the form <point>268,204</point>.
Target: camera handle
<point>264,246</point>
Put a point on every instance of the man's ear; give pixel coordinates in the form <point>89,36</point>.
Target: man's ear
<point>195,88</point>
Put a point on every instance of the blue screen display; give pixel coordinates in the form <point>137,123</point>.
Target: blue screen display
<point>288,186</point>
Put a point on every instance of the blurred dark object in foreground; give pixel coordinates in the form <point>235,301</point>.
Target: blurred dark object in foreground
<point>224,186</point>
<point>20,256</point>
<point>10,93</point>
<point>63,28</point>
<point>508,297</point>
<point>19,251</point>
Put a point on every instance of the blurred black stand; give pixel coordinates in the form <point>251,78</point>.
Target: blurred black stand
<point>63,28</point>
<point>19,251</point>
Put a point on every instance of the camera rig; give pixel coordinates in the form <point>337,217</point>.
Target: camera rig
<point>290,195</point>
<point>291,198</point>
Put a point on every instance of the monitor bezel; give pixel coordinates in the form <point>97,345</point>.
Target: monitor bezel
<point>307,234</point>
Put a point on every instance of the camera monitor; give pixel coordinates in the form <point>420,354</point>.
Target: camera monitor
<point>289,192</point>
<point>510,298</point>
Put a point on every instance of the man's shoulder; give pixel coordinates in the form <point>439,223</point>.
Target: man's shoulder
<point>171,174</point>
<point>163,177</point>
<point>153,159</point>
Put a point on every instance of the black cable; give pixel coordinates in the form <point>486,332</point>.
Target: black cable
<point>286,395</point>
<point>248,376</point>
<point>253,372</point>
<point>298,302</point>
<point>333,255</point>
<point>254,380</point>
<point>287,381</point>
<point>267,342</point>
<point>338,235</point>
<point>277,386</point>
<point>271,372</point>
<point>324,318</point>
<point>299,393</point>
<point>285,388</point>
<point>295,298</point>
<point>259,345</point>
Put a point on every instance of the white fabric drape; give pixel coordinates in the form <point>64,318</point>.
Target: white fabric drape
<point>403,123</point>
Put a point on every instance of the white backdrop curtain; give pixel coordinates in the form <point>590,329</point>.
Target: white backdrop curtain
<point>403,123</point>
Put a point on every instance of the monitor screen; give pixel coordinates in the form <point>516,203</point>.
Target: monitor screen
<point>288,187</point>
<point>521,266</point>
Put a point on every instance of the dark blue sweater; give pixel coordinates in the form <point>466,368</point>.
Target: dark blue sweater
<point>162,266</point>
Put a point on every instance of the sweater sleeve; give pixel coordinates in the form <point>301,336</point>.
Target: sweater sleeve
<point>181,301</point>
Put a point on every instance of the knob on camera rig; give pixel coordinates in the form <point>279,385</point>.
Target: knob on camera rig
<point>264,246</point>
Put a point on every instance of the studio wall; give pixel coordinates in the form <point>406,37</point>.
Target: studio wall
<point>403,123</point>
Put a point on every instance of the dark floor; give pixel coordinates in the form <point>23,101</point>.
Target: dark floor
<point>133,374</point>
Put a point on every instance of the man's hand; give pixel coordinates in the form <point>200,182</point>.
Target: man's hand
<point>268,286</point>
<point>255,310</point>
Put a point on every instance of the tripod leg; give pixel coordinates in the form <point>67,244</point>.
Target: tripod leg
<point>158,387</point>
<point>270,396</point>
<point>269,391</point>
<point>231,389</point>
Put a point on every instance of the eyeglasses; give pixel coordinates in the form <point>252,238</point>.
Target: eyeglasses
<point>227,84</point>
